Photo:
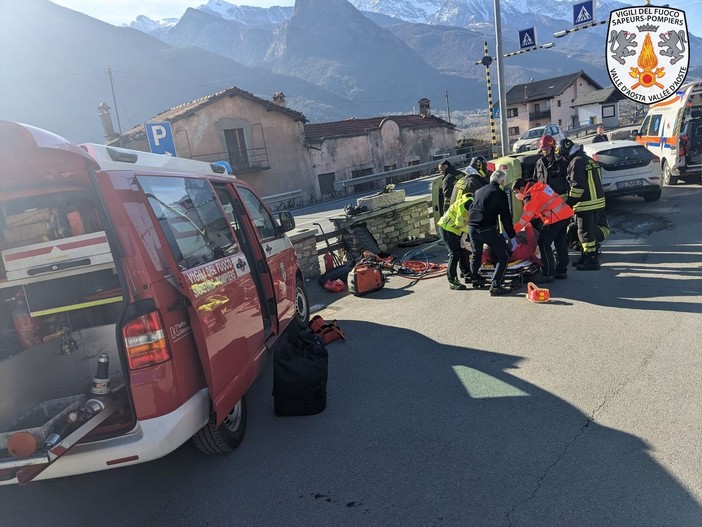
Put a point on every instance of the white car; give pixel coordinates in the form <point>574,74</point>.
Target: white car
<point>628,169</point>
<point>530,139</point>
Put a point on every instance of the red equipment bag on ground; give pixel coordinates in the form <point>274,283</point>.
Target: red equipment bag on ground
<point>335,286</point>
<point>329,331</point>
<point>365,279</point>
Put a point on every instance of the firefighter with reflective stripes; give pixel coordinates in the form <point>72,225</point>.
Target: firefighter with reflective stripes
<point>471,181</point>
<point>542,203</point>
<point>452,226</point>
<point>587,198</point>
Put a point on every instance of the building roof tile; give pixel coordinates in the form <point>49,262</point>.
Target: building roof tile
<point>353,127</point>
<point>545,89</point>
<point>188,108</point>
<point>598,97</point>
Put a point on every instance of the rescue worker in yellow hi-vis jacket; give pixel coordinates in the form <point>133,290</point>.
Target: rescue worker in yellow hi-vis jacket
<point>452,226</point>
<point>587,199</point>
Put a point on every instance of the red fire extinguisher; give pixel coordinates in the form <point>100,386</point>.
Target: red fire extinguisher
<point>27,327</point>
<point>328,261</point>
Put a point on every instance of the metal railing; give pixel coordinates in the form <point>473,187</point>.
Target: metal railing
<point>346,183</point>
<point>541,114</point>
<point>283,200</point>
<point>257,159</point>
<point>584,128</point>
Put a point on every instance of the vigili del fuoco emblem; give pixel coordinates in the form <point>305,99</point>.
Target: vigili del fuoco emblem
<point>648,52</point>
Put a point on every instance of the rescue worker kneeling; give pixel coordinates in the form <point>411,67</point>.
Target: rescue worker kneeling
<point>541,202</point>
<point>490,203</point>
<point>452,226</point>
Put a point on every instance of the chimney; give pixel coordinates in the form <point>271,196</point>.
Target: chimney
<point>279,98</point>
<point>106,119</point>
<point>424,107</point>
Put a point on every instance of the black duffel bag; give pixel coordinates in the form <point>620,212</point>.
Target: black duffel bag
<point>300,375</point>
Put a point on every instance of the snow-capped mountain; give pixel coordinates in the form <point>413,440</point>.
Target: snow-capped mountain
<point>247,15</point>
<point>418,11</point>
<point>145,24</point>
<point>471,14</point>
<point>463,13</point>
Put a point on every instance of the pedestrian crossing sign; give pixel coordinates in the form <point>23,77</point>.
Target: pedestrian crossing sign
<point>583,13</point>
<point>527,38</point>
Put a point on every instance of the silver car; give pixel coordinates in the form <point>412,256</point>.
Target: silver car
<point>530,139</point>
<point>628,169</point>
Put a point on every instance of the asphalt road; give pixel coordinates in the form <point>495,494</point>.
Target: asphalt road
<point>457,408</point>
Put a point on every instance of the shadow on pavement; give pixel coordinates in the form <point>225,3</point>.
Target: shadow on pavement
<point>641,272</point>
<point>415,433</point>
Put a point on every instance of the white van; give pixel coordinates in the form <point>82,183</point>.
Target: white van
<point>672,130</point>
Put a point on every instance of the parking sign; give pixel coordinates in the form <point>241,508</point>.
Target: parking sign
<point>160,138</point>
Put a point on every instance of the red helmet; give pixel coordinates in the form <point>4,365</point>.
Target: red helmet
<point>547,141</point>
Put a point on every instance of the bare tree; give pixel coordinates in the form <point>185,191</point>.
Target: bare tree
<point>631,112</point>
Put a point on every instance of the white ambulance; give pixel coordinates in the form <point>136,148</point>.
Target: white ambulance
<point>672,130</point>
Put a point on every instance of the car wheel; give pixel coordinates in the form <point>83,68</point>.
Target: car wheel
<point>222,439</point>
<point>668,177</point>
<point>302,305</point>
<point>654,195</point>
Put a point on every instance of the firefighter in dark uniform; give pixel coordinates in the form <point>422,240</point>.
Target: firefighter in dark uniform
<point>490,203</point>
<point>550,169</point>
<point>587,199</point>
<point>449,175</point>
<point>479,163</point>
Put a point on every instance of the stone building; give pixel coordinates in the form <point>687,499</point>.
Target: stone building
<point>353,148</point>
<point>270,147</point>
<point>548,101</point>
<point>263,141</point>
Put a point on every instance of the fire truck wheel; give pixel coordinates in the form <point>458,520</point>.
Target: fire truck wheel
<point>212,439</point>
<point>302,305</point>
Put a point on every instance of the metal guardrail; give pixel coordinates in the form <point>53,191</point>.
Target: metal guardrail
<point>583,129</point>
<point>283,196</point>
<point>346,183</point>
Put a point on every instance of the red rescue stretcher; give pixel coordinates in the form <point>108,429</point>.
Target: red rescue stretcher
<point>523,264</point>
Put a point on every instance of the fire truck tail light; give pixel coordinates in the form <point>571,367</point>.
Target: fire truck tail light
<point>145,341</point>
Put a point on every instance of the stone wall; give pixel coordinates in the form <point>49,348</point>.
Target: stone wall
<point>306,250</point>
<point>390,226</point>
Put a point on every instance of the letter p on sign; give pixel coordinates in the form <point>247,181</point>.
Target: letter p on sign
<point>160,136</point>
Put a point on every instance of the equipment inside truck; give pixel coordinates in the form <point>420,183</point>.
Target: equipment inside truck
<point>60,299</point>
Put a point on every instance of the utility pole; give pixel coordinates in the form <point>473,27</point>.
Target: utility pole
<point>486,61</point>
<point>114,100</point>
<point>501,80</point>
<point>448,111</point>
